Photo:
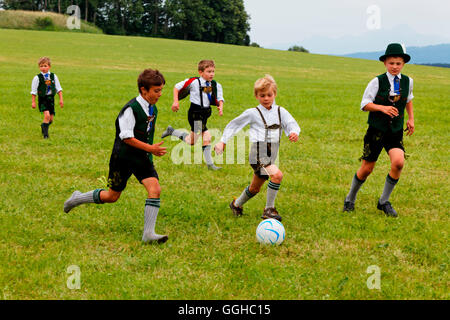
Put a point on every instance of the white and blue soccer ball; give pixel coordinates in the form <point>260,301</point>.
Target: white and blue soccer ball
<point>270,231</point>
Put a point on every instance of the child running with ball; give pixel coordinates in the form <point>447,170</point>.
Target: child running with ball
<point>266,122</point>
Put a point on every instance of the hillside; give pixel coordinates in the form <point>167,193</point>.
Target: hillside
<point>35,20</point>
<point>210,253</point>
<point>437,54</point>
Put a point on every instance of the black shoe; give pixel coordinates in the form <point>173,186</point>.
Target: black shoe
<point>348,206</point>
<point>271,213</point>
<point>387,208</point>
<point>236,210</point>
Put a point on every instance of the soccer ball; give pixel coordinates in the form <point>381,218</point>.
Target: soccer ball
<point>270,231</point>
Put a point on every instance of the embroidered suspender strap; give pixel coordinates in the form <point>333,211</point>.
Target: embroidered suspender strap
<point>266,136</point>
<point>279,118</point>
<point>201,92</point>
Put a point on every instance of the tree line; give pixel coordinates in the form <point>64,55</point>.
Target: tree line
<point>221,21</point>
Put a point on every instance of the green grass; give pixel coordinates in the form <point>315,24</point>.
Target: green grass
<point>210,254</point>
<point>37,20</point>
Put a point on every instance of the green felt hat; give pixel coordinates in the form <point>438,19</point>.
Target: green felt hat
<point>396,49</point>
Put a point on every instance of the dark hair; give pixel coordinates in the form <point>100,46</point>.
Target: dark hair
<point>150,78</point>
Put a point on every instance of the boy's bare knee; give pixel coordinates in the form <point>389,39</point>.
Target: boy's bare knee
<point>397,165</point>
<point>277,177</point>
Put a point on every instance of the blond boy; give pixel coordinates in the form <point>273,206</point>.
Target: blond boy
<point>266,122</point>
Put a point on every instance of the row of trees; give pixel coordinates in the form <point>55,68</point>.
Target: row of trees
<point>222,21</point>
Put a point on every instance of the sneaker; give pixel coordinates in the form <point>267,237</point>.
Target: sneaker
<point>167,132</point>
<point>348,206</point>
<point>213,167</point>
<point>237,211</point>
<point>388,209</point>
<point>271,213</point>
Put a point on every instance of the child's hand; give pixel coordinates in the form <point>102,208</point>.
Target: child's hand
<point>410,127</point>
<point>61,103</point>
<point>175,106</point>
<point>33,105</point>
<point>220,108</point>
<point>390,111</point>
<point>293,137</point>
<point>157,150</point>
<point>218,148</point>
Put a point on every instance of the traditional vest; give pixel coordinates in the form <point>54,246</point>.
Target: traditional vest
<point>42,88</point>
<point>382,121</point>
<point>185,91</point>
<point>144,130</point>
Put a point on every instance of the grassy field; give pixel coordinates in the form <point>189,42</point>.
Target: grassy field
<point>36,20</point>
<point>211,254</point>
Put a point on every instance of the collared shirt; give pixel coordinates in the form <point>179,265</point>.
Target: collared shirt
<point>127,120</point>
<point>257,129</point>
<point>35,84</point>
<point>372,89</point>
<point>195,91</point>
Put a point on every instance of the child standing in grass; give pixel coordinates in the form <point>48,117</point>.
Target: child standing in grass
<point>46,85</point>
<point>266,122</point>
<point>204,92</point>
<point>132,154</point>
<point>386,98</point>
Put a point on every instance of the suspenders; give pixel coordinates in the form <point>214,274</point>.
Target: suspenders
<point>272,127</point>
<point>266,138</point>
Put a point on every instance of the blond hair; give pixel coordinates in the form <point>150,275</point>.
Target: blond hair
<point>44,60</point>
<point>202,65</point>
<point>266,83</point>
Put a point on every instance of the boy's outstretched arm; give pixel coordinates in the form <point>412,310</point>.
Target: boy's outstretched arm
<point>176,103</point>
<point>33,101</point>
<point>410,122</point>
<point>155,149</point>
<point>220,108</point>
<point>389,110</point>
<point>61,102</point>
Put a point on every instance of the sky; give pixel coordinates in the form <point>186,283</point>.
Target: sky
<point>347,26</point>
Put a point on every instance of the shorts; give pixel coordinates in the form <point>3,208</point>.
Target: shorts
<point>200,115</point>
<point>47,103</point>
<point>262,155</point>
<point>375,140</point>
<point>120,170</point>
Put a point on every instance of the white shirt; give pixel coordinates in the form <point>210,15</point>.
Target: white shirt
<point>257,129</point>
<point>35,84</point>
<point>195,91</point>
<point>127,120</point>
<point>372,89</point>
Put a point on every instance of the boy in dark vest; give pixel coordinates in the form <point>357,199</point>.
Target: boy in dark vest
<point>204,92</point>
<point>386,98</point>
<point>133,154</point>
<point>267,121</point>
<point>46,85</point>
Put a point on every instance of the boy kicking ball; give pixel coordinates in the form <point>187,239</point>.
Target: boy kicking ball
<point>386,98</point>
<point>132,154</point>
<point>266,122</point>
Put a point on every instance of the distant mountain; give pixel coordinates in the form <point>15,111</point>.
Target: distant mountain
<point>430,55</point>
<point>367,41</point>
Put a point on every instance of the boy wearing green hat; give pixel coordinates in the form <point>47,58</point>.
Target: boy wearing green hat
<point>385,98</point>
